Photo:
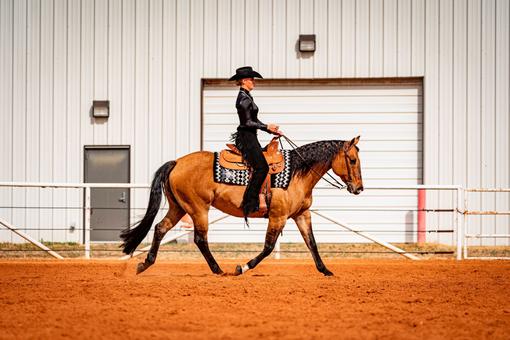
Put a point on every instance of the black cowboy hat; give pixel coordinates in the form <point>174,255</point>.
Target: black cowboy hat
<point>245,72</point>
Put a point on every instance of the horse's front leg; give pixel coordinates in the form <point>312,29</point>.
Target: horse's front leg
<point>274,229</point>
<point>201,223</point>
<point>304,224</point>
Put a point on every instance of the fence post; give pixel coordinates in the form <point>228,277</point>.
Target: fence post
<point>465,221</point>
<point>87,222</point>
<point>422,226</point>
<point>459,221</point>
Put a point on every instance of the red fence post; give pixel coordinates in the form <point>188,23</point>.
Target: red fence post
<point>422,228</point>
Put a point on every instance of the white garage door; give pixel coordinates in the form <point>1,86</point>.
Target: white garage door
<point>387,116</point>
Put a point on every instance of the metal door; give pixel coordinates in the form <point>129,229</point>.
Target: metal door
<point>109,206</point>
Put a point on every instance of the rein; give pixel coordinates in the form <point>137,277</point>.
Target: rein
<point>336,183</point>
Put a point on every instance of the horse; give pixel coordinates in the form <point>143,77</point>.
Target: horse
<point>189,187</point>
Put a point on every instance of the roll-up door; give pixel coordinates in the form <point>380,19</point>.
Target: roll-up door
<point>387,114</point>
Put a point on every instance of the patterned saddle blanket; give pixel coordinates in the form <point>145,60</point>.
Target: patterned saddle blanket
<point>242,177</point>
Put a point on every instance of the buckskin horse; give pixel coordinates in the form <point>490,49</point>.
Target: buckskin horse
<point>189,187</point>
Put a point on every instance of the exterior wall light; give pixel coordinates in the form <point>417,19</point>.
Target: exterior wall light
<point>307,43</point>
<point>101,109</point>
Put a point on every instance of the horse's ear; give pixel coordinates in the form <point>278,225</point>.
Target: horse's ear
<point>350,144</point>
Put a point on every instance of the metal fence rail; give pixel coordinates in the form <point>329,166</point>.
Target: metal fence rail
<point>459,211</point>
<point>471,236</point>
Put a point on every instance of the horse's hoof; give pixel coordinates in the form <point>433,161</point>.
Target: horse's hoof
<point>239,270</point>
<point>140,268</point>
<point>327,273</point>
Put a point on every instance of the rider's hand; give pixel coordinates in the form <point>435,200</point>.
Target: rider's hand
<point>273,128</point>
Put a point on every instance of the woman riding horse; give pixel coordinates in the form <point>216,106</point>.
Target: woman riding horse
<point>189,186</point>
<point>246,139</point>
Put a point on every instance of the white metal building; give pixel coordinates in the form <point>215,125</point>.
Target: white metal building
<point>425,83</point>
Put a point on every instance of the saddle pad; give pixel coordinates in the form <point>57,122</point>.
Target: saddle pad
<point>241,177</point>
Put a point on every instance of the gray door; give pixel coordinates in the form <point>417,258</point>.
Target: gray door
<point>109,206</point>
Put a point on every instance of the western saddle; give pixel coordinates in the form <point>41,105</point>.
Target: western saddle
<point>232,158</point>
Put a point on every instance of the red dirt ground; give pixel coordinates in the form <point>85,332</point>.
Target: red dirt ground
<point>435,299</point>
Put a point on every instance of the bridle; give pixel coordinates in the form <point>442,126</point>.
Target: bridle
<point>336,183</point>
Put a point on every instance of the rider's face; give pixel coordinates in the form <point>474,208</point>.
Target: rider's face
<point>248,83</point>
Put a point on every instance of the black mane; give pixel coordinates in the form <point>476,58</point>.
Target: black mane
<point>317,153</point>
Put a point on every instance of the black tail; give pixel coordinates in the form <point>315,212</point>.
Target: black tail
<point>133,237</point>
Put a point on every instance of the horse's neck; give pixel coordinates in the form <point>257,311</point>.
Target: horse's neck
<point>311,179</point>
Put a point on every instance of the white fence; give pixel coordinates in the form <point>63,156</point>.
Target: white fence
<point>455,228</point>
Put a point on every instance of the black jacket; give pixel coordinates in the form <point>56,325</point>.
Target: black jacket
<point>247,111</point>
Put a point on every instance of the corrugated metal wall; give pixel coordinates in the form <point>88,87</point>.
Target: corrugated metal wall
<point>147,58</point>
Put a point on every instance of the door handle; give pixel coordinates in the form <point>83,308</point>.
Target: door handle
<point>122,197</point>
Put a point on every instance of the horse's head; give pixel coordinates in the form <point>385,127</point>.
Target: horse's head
<point>347,166</point>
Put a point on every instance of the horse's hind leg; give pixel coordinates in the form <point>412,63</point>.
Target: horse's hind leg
<point>274,229</point>
<point>304,224</point>
<point>175,213</point>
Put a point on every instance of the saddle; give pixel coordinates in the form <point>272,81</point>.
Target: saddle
<point>233,159</point>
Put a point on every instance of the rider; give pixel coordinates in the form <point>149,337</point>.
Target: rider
<point>246,138</point>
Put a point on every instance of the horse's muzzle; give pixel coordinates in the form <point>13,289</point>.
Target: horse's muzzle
<point>355,191</point>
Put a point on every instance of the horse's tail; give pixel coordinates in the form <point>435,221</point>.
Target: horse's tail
<point>133,237</point>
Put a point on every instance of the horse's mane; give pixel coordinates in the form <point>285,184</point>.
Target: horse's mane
<point>307,156</point>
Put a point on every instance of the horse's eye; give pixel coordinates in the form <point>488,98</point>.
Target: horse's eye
<point>353,161</point>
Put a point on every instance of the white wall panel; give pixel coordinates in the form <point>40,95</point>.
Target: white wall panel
<point>237,42</point>
<point>306,27</point>
<point>279,40</point>
<point>474,86</point>
<point>60,117</point>
<point>390,37</point>
<point>488,108</point>
<point>100,66</point>
<point>155,90</point>
<point>376,38</point>
<point>169,84</point>
<point>33,114</point>
<point>19,106</point>
<point>404,43</point>
<point>6,102</point>
<point>47,115</point>
<point>115,71</point>
<point>334,42</point>
<point>320,20</point>
<point>182,77</point>
<point>502,93</point>
<point>348,38</point>
<point>418,37</point>
<point>445,154</point>
<point>195,74</point>
<point>362,38</point>
<point>431,116</point>
<point>265,38</point>
<point>148,59</point>
<point>292,36</point>
<point>74,146</point>
<point>224,35</point>
<point>251,34</point>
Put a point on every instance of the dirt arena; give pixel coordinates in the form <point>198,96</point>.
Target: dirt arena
<point>433,299</point>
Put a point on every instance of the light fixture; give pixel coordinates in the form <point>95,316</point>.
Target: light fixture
<point>307,43</point>
<point>101,108</point>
